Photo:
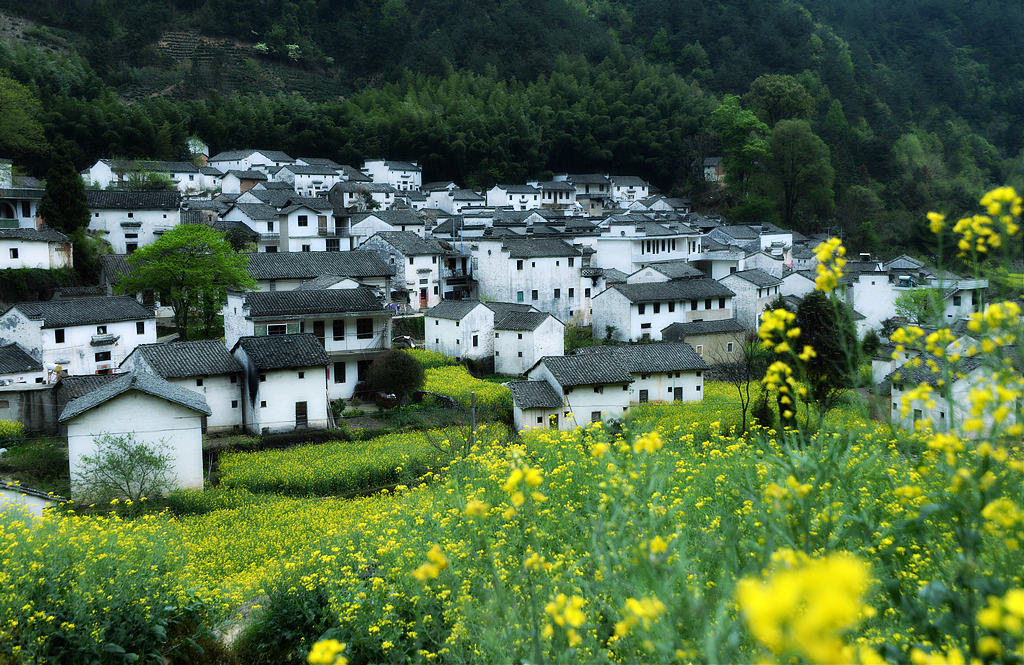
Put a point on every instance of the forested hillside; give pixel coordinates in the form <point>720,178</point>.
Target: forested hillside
<point>885,106</point>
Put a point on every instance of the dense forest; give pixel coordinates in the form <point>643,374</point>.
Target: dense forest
<point>848,116</point>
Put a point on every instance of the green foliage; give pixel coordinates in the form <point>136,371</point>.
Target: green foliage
<point>826,325</point>
<point>11,432</point>
<point>41,464</point>
<point>430,359</point>
<point>21,133</point>
<point>124,468</point>
<point>63,205</point>
<point>577,337</point>
<point>31,284</point>
<point>923,306</point>
<point>395,372</point>
<point>799,168</point>
<point>192,267</point>
<point>777,97</point>
<point>141,179</point>
<point>743,141</point>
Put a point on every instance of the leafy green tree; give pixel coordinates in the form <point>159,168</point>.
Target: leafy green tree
<point>191,267</point>
<point>123,467</point>
<point>777,97</point>
<point>143,179</point>
<point>395,372</point>
<point>922,306</point>
<point>826,325</point>
<point>63,205</point>
<point>743,142</point>
<point>799,167</point>
<point>21,132</point>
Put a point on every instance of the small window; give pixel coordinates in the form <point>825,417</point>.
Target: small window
<point>520,335</point>
<point>721,303</point>
<point>657,308</point>
<point>263,377</point>
<point>140,327</point>
<point>58,336</point>
<point>519,296</point>
<point>303,220</point>
<point>956,299</point>
<point>457,323</point>
<point>693,305</point>
<point>540,420</point>
<point>698,388</point>
<point>595,416</point>
<point>130,215</point>
<point>412,261</point>
<point>671,307</point>
<point>707,304</point>
<point>476,340</point>
<point>234,378</point>
<point>495,335</point>
<point>263,403</point>
<point>338,327</point>
<point>102,356</point>
<point>305,248</point>
<point>234,404</point>
<point>572,293</point>
<point>101,330</point>
<point>520,354</point>
<point>199,383</point>
<point>558,293</point>
<point>728,347</point>
<point>433,259</point>
<point>14,252</point>
<point>586,293</point>
<point>700,350</point>
<point>643,396</point>
<point>572,262</point>
<point>534,294</point>
<point>339,372</point>
<point>519,265</point>
<point>641,309</point>
<point>302,375</point>
<point>599,389</point>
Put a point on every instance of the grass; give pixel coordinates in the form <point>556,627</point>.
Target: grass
<point>41,464</point>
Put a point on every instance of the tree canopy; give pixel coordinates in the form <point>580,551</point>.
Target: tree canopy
<point>191,268</point>
<point>826,325</point>
<point>63,206</point>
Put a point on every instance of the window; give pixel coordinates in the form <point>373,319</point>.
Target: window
<point>131,235</point>
<point>101,330</point>
<point>671,307</point>
<point>693,305</point>
<point>234,404</point>
<point>643,396</point>
<point>586,293</point>
<point>519,265</point>
<point>338,328</point>
<point>540,420</point>
<point>698,388</point>
<point>303,220</point>
<point>476,340</point>
<point>130,215</point>
<point>333,245</point>
<point>263,378</point>
<point>364,328</point>
<point>305,248</point>
<point>302,375</point>
<point>140,327</point>
<point>533,294</point>
<point>270,227</point>
<point>956,299</point>
<point>199,383</point>
<point>728,347</point>
<point>599,390</point>
<point>707,304</point>
<point>657,308</point>
<point>277,329</point>
<point>519,296</point>
<point>520,335</point>
<point>14,252</point>
<point>721,303</point>
<point>234,378</point>
<point>572,262</point>
<point>58,336</point>
<point>558,293</point>
<point>270,249</point>
<point>263,403</point>
<point>457,323</point>
<point>339,372</point>
<point>520,354</point>
<point>572,293</point>
<point>433,259</point>
<point>495,335</point>
<point>641,309</point>
<point>102,356</point>
<point>700,350</point>
<point>595,416</point>
<point>361,367</point>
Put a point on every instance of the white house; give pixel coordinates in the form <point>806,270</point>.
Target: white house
<point>309,180</point>
<point>461,329</point>
<point>641,311</point>
<point>593,190</point>
<point>664,272</point>
<point>798,283</point>
<point>714,169</point>
<point>365,224</point>
<point>287,271</point>
<point>556,195</point>
<point>16,366</point>
<point>202,366</point>
<point>522,338</point>
<point>604,381</point>
<point>132,219</point>
<point>873,293</point>
<point>145,406</point>
<point>244,160</point>
<point>403,176</point>
<point>42,248</point>
<point>454,201</point>
<point>754,289</point>
<point>362,196</point>
<point>186,176</point>
<point>262,219</point>
<point>516,197</point>
<point>19,198</point>
<point>305,227</point>
<point>238,182</point>
<point>629,242</point>
<point>82,335</point>
<point>418,264</point>
<point>543,272</point>
<point>285,386</point>
<point>350,324</point>
<point>629,188</point>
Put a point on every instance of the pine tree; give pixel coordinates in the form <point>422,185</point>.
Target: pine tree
<point>63,205</point>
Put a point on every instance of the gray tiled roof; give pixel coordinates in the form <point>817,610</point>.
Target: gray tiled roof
<point>503,308</point>
<point>324,301</point>
<point>399,165</point>
<point>207,357</point>
<point>683,289</point>
<point>519,189</point>
<point>118,199</point>
<point>320,161</point>
<point>392,217</point>
<point>312,169</point>
<point>454,310</point>
<point>354,187</point>
<point>556,186</point>
<point>309,265</point>
<point>588,179</point>
<point>283,351</point>
<point>410,244</point>
<point>912,376</point>
<point>319,283</point>
<point>628,181</point>
<point>677,270</point>
<point>585,370</point>
<point>232,155</point>
<point>73,387</point>
<point>679,331</point>
<point>44,234</point>
<point>649,358</point>
<point>143,382</point>
<point>465,195</point>
<point>14,359</point>
<point>82,311</point>
<point>534,395</point>
<point>757,277</point>
<point>248,175</point>
<point>538,248</point>
<point>520,320</point>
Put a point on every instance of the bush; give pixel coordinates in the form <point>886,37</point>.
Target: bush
<point>395,372</point>
<point>124,468</point>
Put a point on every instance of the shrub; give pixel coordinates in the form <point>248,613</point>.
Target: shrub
<point>395,372</point>
<point>124,468</point>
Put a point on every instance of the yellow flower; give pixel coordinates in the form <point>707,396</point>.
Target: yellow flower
<point>648,443</point>
<point>476,508</point>
<point>327,652</point>
<point>935,222</point>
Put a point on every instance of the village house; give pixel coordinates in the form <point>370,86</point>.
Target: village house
<point>304,227</point>
<point>628,188</point>
<point>798,283</point>
<point>461,329</point>
<point>17,366</point>
<point>261,219</point>
<point>664,272</point>
<point>454,201</point>
<point>521,338</point>
<point>287,271</point>
<point>873,291</point>
<point>403,176</point>
<point>285,384</point>
<point>602,382</point>
<point>418,264</point>
<point>365,224</point>
<point>81,335</point>
<point>202,366</point>
<point>714,169</point>
<point>309,180</point>
<point>754,289</point>
<point>543,272</point>
<point>717,260</point>
<point>350,324</point>
<point>128,220</point>
<point>147,407</point>
<point>19,198</point>
<point>245,160</point>
<point>629,242</point>
<point>42,248</point>
<point>357,196</point>
<point>636,312</point>
<point>117,173</point>
<point>516,197</point>
<point>593,190</point>
<point>556,195</point>
<point>237,181</point>
<point>717,342</point>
